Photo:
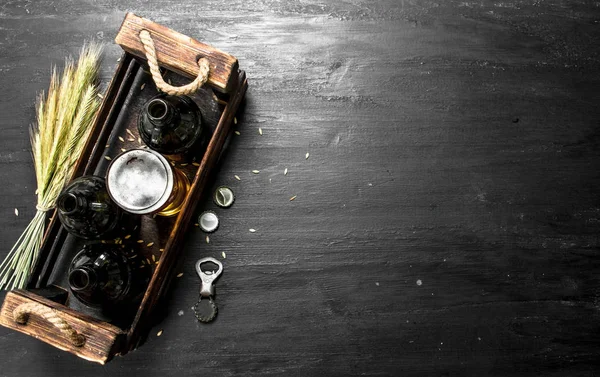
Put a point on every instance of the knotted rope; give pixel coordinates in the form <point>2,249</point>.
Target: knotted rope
<point>22,312</point>
<point>190,88</point>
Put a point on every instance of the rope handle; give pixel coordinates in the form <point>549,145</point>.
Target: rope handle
<point>22,312</point>
<point>190,88</point>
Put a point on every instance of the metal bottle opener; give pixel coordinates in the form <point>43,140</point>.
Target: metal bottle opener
<point>207,289</point>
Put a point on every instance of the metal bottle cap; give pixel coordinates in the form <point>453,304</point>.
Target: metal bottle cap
<point>208,221</point>
<point>140,181</point>
<point>223,197</point>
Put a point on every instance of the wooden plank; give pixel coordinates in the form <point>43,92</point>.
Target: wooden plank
<point>178,52</point>
<point>418,170</point>
<point>102,339</point>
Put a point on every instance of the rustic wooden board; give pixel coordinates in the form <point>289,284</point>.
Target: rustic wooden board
<point>103,341</point>
<point>178,52</point>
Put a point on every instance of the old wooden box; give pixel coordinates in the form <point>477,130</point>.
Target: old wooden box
<point>114,130</point>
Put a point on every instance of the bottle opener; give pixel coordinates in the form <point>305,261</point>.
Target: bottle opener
<point>207,289</point>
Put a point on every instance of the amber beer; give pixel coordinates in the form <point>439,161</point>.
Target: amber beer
<point>142,182</point>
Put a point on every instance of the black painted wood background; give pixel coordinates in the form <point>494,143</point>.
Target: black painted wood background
<point>446,221</point>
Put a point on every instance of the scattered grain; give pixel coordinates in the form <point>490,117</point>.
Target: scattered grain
<point>140,141</point>
<point>195,164</point>
<point>180,274</point>
<point>129,132</point>
<point>237,133</point>
<point>223,255</point>
<point>307,154</point>
<point>285,171</point>
<point>150,244</point>
<point>161,250</point>
<point>260,131</point>
<point>255,171</point>
<point>106,157</point>
<point>153,258</point>
<point>207,239</point>
<point>234,120</point>
<point>159,333</point>
<point>292,198</point>
<point>236,177</point>
<point>252,230</point>
<point>16,212</point>
<point>123,149</point>
<point>121,139</point>
<point>143,86</point>
<point>140,241</point>
<point>196,224</point>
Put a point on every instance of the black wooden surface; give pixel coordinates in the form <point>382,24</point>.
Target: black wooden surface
<point>446,221</point>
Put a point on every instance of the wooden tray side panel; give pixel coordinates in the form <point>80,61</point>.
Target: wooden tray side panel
<point>102,340</point>
<point>178,52</point>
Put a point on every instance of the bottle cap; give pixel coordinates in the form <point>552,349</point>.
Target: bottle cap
<point>223,197</point>
<point>140,181</point>
<point>208,221</point>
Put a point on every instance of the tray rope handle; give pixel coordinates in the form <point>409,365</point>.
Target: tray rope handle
<point>22,312</point>
<point>190,88</point>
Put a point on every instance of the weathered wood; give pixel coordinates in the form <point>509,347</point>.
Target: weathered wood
<point>103,341</point>
<point>178,52</point>
<point>452,143</point>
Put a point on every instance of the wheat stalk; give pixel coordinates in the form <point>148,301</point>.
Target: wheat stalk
<point>64,119</point>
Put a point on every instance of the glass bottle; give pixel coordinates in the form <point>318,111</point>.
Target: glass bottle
<point>101,275</point>
<point>86,210</point>
<point>171,125</point>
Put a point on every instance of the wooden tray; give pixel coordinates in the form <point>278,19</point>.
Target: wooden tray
<point>129,88</point>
